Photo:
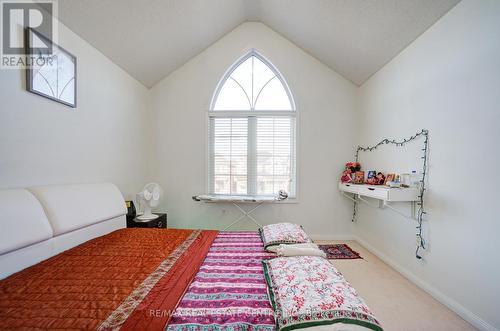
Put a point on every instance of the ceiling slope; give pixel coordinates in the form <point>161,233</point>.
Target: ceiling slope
<point>151,38</point>
<point>354,37</point>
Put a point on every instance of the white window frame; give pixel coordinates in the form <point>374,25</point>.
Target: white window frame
<point>253,113</point>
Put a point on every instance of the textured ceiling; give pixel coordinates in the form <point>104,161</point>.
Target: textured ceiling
<point>151,38</point>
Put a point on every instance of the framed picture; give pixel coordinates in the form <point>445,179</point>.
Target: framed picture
<point>359,177</point>
<point>389,178</point>
<point>51,75</point>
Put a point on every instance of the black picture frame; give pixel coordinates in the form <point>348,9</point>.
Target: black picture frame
<point>32,53</point>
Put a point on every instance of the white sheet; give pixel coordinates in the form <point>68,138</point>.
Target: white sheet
<point>307,249</point>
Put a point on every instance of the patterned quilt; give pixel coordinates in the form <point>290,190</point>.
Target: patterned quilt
<point>308,291</point>
<point>282,233</point>
<point>124,280</point>
<point>229,292</point>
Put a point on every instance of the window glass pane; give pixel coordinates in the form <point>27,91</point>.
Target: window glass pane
<point>273,97</point>
<point>239,164</point>
<point>265,185</point>
<point>221,165</point>
<point>229,155</point>
<point>282,183</point>
<point>231,97</point>
<point>261,75</point>
<point>270,185</point>
<point>221,185</point>
<point>265,164</point>
<point>282,165</point>
<point>275,154</point>
<point>243,75</point>
<point>239,185</point>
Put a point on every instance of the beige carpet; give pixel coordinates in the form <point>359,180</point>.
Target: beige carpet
<point>396,302</point>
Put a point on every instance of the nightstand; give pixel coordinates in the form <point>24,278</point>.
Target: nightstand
<point>160,222</point>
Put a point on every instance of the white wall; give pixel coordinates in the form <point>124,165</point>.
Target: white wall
<point>44,142</point>
<point>327,134</point>
<point>447,81</point>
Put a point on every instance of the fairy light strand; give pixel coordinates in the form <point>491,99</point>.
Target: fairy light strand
<point>421,211</point>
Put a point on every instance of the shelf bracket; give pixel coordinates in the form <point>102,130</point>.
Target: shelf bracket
<point>348,197</point>
<point>368,202</point>
<point>412,216</point>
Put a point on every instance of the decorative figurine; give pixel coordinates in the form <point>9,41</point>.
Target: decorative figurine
<point>350,170</point>
<point>346,176</point>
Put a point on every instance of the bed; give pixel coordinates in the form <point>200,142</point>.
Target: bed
<point>69,271</point>
<point>229,292</point>
<point>94,273</point>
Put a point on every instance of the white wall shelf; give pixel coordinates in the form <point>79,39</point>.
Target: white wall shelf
<point>384,194</point>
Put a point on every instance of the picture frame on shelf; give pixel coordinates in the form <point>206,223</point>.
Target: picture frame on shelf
<point>359,177</point>
<point>389,178</point>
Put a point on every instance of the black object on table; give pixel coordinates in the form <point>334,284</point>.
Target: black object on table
<point>159,222</point>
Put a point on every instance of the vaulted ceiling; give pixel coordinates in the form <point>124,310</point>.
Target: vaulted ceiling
<point>151,38</point>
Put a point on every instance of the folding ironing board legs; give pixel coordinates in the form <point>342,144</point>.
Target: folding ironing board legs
<point>246,213</point>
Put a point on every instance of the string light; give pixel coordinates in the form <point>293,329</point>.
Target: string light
<point>421,212</point>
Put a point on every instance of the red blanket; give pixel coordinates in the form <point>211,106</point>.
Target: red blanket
<point>128,279</point>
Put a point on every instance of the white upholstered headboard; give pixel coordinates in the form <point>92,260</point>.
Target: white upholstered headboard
<point>39,222</point>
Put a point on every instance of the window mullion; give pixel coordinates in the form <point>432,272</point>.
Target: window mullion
<point>293,157</point>
<point>252,156</point>
<point>211,161</point>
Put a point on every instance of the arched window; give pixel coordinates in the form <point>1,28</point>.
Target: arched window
<point>252,131</point>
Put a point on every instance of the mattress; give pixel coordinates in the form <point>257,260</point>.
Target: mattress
<point>229,292</point>
<point>120,280</point>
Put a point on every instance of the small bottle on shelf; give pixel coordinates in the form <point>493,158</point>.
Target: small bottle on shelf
<point>415,179</point>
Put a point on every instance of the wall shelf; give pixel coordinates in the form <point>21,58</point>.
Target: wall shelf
<point>413,195</point>
<point>384,194</point>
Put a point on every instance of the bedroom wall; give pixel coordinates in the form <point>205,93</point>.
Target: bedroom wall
<point>325,102</point>
<point>447,81</point>
<point>44,142</point>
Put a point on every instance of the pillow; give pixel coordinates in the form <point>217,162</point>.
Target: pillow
<point>308,249</point>
<point>307,291</point>
<point>282,233</point>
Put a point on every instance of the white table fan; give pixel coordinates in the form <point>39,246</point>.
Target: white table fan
<point>148,199</point>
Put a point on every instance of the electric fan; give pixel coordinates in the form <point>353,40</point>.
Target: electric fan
<point>149,198</point>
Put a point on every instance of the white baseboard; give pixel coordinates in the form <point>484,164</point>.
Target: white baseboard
<point>460,310</point>
<point>331,237</point>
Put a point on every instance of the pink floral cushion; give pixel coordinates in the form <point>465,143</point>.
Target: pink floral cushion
<point>308,291</point>
<point>283,233</point>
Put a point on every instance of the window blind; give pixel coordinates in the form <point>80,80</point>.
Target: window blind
<point>252,155</point>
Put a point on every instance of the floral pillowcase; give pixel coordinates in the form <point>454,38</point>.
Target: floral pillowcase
<point>282,233</point>
<point>307,291</point>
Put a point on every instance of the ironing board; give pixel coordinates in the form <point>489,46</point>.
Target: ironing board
<point>236,201</point>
